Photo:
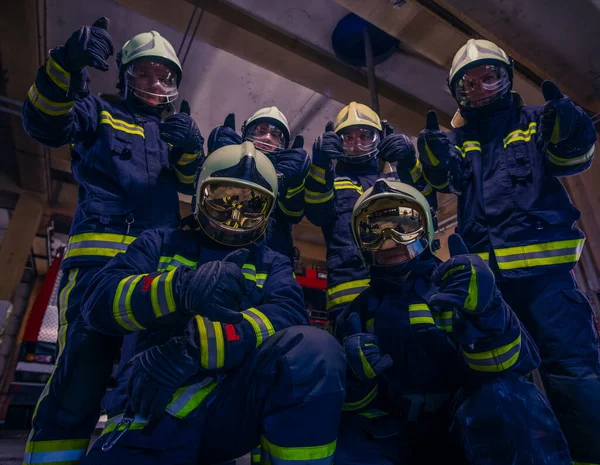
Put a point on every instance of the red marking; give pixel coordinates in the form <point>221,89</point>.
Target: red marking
<point>147,281</point>
<point>231,334</point>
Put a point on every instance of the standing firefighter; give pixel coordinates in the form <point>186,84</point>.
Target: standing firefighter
<point>357,142</point>
<point>269,131</point>
<point>436,359</point>
<point>504,163</point>
<point>129,166</point>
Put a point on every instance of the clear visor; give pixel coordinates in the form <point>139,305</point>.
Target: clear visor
<point>266,137</point>
<point>481,86</point>
<point>153,82</point>
<point>234,206</point>
<point>359,141</point>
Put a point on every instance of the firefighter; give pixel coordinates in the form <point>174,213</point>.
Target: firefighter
<point>437,360</point>
<point>200,390</point>
<point>504,160</point>
<point>269,131</point>
<point>130,166</point>
<point>357,142</point>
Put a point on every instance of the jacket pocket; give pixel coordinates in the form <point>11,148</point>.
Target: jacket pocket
<point>518,162</point>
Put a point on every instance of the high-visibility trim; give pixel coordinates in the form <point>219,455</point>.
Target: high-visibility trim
<point>184,179</point>
<point>432,158</point>
<point>545,254</point>
<point>188,158</point>
<point>520,134</point>
<point>572,161</point>
<point>166,263</point>
<point>46,105</point>
<point>161,294</point>
<point>311,455</point>
<point>262,326</point>
<point>366,367</point>
<point>122,311</point>
<point>420,314</point>
<point>443,320</point>
<point>255,455</point>
<point>345,292</point>
<point>317,173</point>
<point>340,185</point>
<point>373,413</point>
<point>427,190</point>
<point>57,74</point>
<point>138,423</point>
<point>470,146</point>
<point>290,212</point>
<point>260,279</point>
<point>97,244</point>
<point>485,256</point>
<point>212,343</point>
<point>295,190</point>
<point>370,325</point>
<point>416,171</point>
<point>362,403</point>
<point>188,398</point>
<point>250,274</point>
<point>495,360</point>
<point>63,305</point>
<point>120,125</point>
<point>438,187</point>
<point>317,197</point>
<point>63,452</point>
<point>472,292</point>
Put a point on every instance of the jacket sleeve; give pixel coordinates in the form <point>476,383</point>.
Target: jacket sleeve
<point>58,109</point>
<point>220,346</point>
<point>186,166</point>
<point>574,155</point>
<point>319,196</point>
<point>502,345</point>
<point>415,178</point>
<point>291,204</point>
<point>129,294</point>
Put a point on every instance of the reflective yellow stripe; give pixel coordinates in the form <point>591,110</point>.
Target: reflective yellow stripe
<point>59,452</point>
<point>182,178</point>
<point>112,423</point>
<point>572,161</point>
<point>362,403</point>
<point>161,294</point>
<point>339,185</point>
<point>420,314</point>
<point>472,293</point>
<point>212,343</point>
<point>97,244</point>
<point>345,292</point>
<point>63,305</point>
<point>317,197</point>
<point>46,105</point>
<point>170,263</point>
<point>495,360</point>
<point>188,398</point>
<point>432,158</point>
<point>262,326</point>
<point>122,303</point>
<point>428,190</point>
<point>261,278</point>
<point>438,187</point>
<point>57,74</point>
<point>317,173</point>
<point>417,171</point>
<point>365,364</point>
<point>545,254</point>
<point>485,256</point>
<point>470,146</point>
<point>120,125</point>
<point>61,444</point>
<point>521,134</point>
<point>188,158</point>
<point>290,212</point>
<point>295,190</point>
<point>281,455</point>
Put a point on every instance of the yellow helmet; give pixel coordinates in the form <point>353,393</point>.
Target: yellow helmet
<point>356,114</point>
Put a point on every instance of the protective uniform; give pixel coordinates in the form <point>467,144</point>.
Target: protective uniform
<point>199,390</point>
<point>128,181</point>
<point>436,359</point>
<point>504,163</point>
<point>292,165</point>
<point>333,189</point>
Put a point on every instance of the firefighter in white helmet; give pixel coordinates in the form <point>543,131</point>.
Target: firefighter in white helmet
<point>504,160</point>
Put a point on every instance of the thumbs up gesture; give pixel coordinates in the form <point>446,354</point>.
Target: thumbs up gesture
<point>465,282</point>
<point>434,146</point>
<point>181,131</point>
<point>559,115</point>
<point>89,46</point>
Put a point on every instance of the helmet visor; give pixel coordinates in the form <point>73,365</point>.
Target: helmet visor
<point>482,85</point>
<point>266,137</point>
<point>153,82</point>
<point>359,141</point>
<point>235,206</point>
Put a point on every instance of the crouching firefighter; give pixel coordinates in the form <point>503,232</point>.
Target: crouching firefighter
<point>129,164</point>
<point>223,342</point>
<point>437,360</point>
<point>269,131</point>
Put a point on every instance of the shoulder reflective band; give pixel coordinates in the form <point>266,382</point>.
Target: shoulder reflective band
<point>521,134</point>
<point>120,125</point>
<point>339,185</point>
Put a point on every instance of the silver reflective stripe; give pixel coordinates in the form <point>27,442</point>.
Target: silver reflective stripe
<point>98,245</point>
<point>123,304</point>
<point>317,196</point>
<point>543,254</point>
<point>349,291</point>
<point>420,313</point>
<point>212,344</point>
<point>314,171</point>
<point>161,293</point>
<point>180,403</point>
<point>264,331</point>
<point>497,360</point>
<point>53,456</point>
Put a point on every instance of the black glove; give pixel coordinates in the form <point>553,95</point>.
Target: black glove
<point>434,146</point>
<point>397,148</point>
<point>230,121</point>
<point>298,142</point>
<point>293,165</point>
<point>215,289</point>
<point>181,131</point>
<point>89,46</point>
<point>559,117</point>
<point>328,146</point>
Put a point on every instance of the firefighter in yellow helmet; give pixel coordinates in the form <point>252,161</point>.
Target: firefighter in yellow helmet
<point>345,162</point>
<point>504,161</point>
<point>269,131</point>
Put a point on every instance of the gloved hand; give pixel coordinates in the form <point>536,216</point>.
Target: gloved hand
<point>466,283</point>
<point>293,165</point>
<point>328,146</point>
<point>362,351</point>
<point>215,289</point>
<point>89,46</point>
<point>298,142</point>
<point>397,148</point>
<point>434,146</point>
<point>559,116</point>
<point>230,121</point>
<point>156,374</point>
<point>181,131</point>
